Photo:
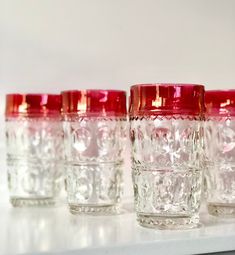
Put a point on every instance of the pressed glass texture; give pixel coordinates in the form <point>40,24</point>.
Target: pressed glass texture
<point>167,159</point>
<point>220,148</point>
<point>94,146</point>
<point>34,151</point>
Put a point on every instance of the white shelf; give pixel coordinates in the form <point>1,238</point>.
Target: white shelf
<point>55,231</point>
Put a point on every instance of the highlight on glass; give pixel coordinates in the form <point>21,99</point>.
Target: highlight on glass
<point>167,153</point>
<point>34,139</point>
<point>94,138</point>
<point>220,148</point>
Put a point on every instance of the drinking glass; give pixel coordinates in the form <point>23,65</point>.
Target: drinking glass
<point>167,153</point>
<point>220,148</point>
<point>34,139</point>
<point>94,137</point>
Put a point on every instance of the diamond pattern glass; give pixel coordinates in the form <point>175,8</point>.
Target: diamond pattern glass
<point>220,174</point>
<point>167,163</point>
<point>34,160</point>
<point>94,148</point>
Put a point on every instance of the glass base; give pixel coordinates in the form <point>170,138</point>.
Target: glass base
<point>94,210</point>
<point>168,222</point>
<point>28,202</point>
<point>221,209</point>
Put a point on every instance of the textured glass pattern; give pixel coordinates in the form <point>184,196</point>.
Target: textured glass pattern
<point>94,160</point>
<point>220,174</point>
<point>167,159</point>
<point>34,160</point>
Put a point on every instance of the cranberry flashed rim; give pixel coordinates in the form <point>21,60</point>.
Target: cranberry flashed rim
<point>33,104</point>
<point>220,102</point>
<point>167,99</point>
<point>94,102</point>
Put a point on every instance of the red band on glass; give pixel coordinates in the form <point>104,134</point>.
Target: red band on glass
<point>220,102</point>
<point>167,99</point>
<point>94,102</point>
<point>33,104</point>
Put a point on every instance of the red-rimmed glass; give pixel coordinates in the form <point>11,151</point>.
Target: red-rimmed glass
<point>95,137</point>
<point>220,151</point>
<point>167,153</point>
<point>34,143</point>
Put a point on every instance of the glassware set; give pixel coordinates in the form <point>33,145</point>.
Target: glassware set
<point>78,139</point>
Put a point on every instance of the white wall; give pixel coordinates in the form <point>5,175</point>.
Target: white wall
<point>51,45</point>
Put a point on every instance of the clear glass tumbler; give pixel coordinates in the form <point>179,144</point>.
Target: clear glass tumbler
<point>167,153</point>
<point>220,148</point>
<point>94,137</point>
<point>34,143</point>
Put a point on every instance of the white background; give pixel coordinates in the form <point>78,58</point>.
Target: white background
<point>52,45</point>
